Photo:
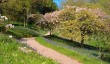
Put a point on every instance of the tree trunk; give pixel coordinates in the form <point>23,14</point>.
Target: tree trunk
<point>24,22</point>
<point>71,38</point>
<point>82,40</point>
<point>50,32</point>
<point>25,11</point>
<point>101,55</point>
<point>26,16</point>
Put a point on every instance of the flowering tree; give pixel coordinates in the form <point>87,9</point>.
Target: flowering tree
<point>81,22</point>
<point>78,23</point>
<point>50,21</point>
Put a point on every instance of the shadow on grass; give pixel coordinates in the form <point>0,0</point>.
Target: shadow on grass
<point>76,44</point>
<point>70,42</point>
<point>107,59</point>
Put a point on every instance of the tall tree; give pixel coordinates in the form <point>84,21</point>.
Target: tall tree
<point>17,9</point>
<point>81,22</point>
<point>44,6</point>
<point>103,4</point>
<point>51,20</point>
<point>14,9</point>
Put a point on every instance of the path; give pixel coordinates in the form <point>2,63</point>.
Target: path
<point>47,52</point>
<point>48,33</point>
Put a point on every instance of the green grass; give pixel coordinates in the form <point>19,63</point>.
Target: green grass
<point>70,53</point>
<point>10,54</point>
<point>99,43</point>
<point>38,29</point>
<point>20,32</point>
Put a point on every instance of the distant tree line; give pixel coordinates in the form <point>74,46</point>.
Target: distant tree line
<point>103,4</point>
<point>18,9</point>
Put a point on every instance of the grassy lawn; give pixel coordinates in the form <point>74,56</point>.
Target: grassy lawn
<point>70,53</point>
<point>20,32</point>
<point>10,53</point>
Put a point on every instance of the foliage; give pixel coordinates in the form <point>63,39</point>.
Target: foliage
<point>75,2</point>
<point>14,9</point>
<point>82,22</point>
<point>35,18</point>
<point>3,1</point>
<point>3,25</point>
<point>103,4</point>
<point>50,21</point>
<point>18,10</point>
<point>44,6</point>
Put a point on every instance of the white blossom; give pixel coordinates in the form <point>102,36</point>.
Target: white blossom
<point>9,26</point>
<point>3,18</point>
<point>10,36</point>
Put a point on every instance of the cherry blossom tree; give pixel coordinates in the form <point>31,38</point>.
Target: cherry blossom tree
<point>51,20</point>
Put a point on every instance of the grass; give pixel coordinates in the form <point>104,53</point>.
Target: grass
<point>70,53</point>
<point>37,28</point>
<point>89,50</point>
<point>10,54</point>
<point>99,43</point>
<point>21,32</point>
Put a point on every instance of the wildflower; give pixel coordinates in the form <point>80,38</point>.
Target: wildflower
<point>3,18</point>
<point>9,26</point>
<point>24,47</point>
<point>10,36</point>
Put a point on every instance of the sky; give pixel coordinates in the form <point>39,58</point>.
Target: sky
<point>58,2</point>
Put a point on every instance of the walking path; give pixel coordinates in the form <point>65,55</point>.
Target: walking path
<point>47,52</point>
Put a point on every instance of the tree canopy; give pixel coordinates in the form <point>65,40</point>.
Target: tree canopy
<point>103,4</point>
<point>44,6</point>
<point>16,9</point>
<point>81,22</point>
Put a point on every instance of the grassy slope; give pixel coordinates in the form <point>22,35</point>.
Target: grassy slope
<point>70,53</point>
<point>90,43</point>
<point>10,54</point>
<point>20,32</point>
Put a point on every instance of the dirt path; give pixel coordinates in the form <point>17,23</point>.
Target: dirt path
<point>47,52</point>
<point>48,33</point>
